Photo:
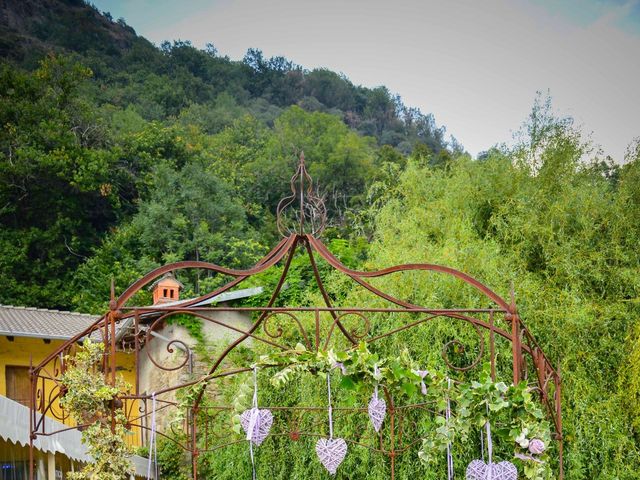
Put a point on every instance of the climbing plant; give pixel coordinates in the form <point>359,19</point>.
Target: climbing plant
<point>90,401</point>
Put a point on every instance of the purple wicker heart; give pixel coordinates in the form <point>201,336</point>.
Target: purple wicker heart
<point>478,470</point>
<point>331,452</point>
<point>377,411</point>
<point>508,471</point>
<point>262,421</point>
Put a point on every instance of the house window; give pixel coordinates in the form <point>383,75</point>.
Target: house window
<point>164,293</point>
<point>18,384</point>
<point>14,470</point>
<point>171,293</point>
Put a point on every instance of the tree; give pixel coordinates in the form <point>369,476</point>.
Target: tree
<point>59,190</point>
<point>189,214</point>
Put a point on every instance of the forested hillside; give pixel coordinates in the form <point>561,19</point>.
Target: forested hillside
<point>100,128</point>
<point>117,156</point>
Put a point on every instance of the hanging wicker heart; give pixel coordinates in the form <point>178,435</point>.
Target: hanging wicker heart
<point>377,411</point>
<point>508,471</point>
<point>331,452</point>
<point>478,470</point>
<point>261,427</point>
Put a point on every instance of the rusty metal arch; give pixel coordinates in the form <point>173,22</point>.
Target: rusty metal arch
<point>500,321</point>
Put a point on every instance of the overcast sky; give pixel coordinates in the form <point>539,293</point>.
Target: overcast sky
<point>476,65</point>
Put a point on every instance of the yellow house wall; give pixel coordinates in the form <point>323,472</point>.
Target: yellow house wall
<point>18,353</point>
<point>21,351</point>
<point>126,367</point>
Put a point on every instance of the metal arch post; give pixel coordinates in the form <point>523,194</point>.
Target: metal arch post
<point>194,443</point>
<point>32,402</point>
<point>515,337</point>
<point>515,347</point>
<point>558,395</point>
<point>294,239</point>
<point>323,290</point>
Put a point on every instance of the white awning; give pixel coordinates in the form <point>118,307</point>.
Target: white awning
<point>14,428</point>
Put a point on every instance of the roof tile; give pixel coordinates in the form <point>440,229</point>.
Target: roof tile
<point>42,323</point>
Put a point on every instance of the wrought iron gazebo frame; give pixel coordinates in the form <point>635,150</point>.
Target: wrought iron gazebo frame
<point>316,326</point>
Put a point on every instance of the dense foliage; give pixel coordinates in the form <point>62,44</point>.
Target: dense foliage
<point>99,126</point>
<point>565,231</point>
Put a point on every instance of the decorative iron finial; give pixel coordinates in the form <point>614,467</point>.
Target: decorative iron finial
<point>310,215</point>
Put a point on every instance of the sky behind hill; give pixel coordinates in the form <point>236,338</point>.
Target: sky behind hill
<point>475,65</point>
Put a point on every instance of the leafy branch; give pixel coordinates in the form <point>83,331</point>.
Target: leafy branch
<point>91,401</point>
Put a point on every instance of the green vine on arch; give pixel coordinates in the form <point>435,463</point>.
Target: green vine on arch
<point>515,416</point>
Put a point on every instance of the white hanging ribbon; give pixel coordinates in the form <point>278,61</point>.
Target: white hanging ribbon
<point>330,409</point>
<point>254,409</point>
<point>448,418</point>
<point>489,445</point>
<point>376,372</point>
<point>153,453</point>
<point>422,374</point>
<point>253,462</point>
<point>252,421</point>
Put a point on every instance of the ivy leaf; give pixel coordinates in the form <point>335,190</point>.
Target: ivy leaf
<point>348,383</point>
<point>409,388</point>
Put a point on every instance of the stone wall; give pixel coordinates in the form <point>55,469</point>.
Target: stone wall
<point>153,379</point>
